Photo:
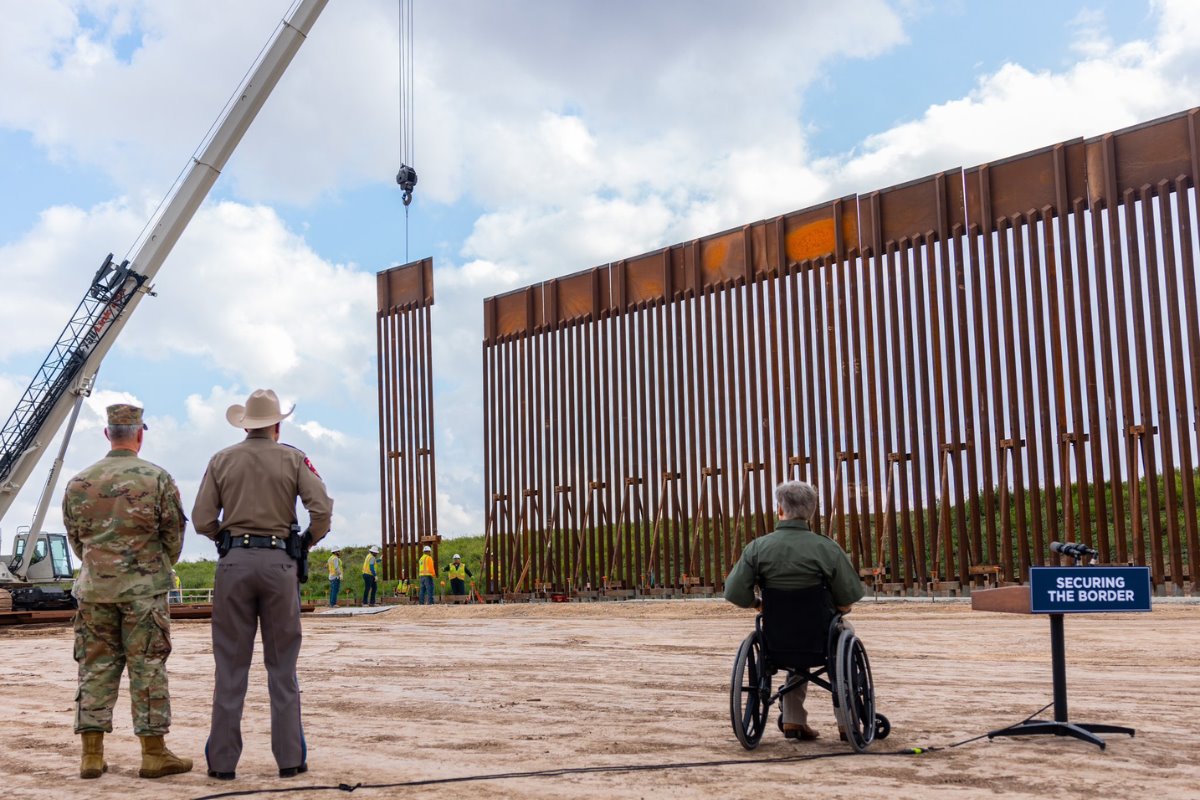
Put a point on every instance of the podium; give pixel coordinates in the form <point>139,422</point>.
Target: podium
<point>1057,591</point>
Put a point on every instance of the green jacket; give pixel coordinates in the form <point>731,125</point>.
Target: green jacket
<point>793,557</point>
<point>125,522</point>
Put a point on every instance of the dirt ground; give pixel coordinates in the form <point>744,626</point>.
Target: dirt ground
<point>440,692</point>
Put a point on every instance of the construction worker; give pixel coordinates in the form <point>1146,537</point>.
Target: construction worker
<point>425,570</point>
<point>125,522</point>
<point>247,504</point>
<point>370,575</point>
<point>335,576</point>
<point>176,593</point>
<point>458,575</point>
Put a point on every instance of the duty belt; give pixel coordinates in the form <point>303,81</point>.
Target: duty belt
<point>255,540</point>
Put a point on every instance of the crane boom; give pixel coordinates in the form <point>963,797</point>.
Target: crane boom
<point>117,289</point>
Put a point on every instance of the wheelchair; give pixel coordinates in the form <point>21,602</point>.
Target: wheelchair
<point>800,632</point>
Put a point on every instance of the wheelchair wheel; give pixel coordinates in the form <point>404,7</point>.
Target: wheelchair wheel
<point>883,726</point>
<point>854,692</point>
<point>749,691</point>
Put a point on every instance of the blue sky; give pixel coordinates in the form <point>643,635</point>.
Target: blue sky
<point>548,139</point>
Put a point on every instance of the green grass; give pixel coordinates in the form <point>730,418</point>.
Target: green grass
<point>199,574</point>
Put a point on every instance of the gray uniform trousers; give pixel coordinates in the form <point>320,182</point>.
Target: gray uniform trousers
<point>255,586</point>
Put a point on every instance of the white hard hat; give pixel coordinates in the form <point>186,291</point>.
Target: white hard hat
<point>373,549</point>
<point>457,557</point>
<point>427,549</point>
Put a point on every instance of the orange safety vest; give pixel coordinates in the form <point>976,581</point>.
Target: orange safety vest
<point>425,566</point>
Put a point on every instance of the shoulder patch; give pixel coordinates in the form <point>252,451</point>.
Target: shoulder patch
<point>307,463</point>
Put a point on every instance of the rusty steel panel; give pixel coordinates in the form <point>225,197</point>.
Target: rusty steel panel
<point>909,211</point>
<point>1146,154</point>
<point>515,314</point>
<point>821,232</point>
<point>722,259</point>
<point>1033,180</point>
<point>406,286</point>
<point>407,472</point>
<point>967,366</point>
<point>646,278</point>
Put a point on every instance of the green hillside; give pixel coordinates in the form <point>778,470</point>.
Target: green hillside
<point>199,574</point>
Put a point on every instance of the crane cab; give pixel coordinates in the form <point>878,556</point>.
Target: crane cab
<point>45,581</point>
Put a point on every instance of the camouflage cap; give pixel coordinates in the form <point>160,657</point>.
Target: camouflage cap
<point>125,414</point>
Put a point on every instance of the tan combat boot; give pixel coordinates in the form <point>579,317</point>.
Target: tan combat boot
<point>92,765</point>
<point>158,761</point>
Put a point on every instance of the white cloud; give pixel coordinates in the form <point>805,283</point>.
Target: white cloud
<point>1014,109</point>
<point>492,89</point>
<point>239,291</point>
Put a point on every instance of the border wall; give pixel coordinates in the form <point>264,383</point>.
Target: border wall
<point>968,366</point>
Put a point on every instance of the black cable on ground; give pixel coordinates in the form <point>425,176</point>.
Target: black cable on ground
<point>555,773</point>
<point>1014,725</point>
<point>613,769</point>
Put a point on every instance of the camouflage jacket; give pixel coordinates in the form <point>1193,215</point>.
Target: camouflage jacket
<point>125,522</point>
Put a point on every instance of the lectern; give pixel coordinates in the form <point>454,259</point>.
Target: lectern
<point>1067,590</point>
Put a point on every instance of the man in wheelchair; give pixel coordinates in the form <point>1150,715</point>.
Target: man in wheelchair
<point>806,582</point>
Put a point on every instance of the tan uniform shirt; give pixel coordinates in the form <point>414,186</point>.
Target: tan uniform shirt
<point>252,488</point>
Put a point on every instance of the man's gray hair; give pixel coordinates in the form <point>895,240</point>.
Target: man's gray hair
<point>123,433</point>
<point>797,499</point>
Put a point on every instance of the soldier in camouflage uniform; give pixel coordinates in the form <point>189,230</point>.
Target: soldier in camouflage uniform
<point>125,522</point>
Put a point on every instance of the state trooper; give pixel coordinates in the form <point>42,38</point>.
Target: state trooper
<point>247,504</point>
<point>125,522</point>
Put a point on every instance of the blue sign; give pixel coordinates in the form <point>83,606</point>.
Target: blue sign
<point>1088,590</point>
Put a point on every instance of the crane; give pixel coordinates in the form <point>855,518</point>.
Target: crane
<point>68,373</point>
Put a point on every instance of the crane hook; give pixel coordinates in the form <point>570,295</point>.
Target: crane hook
<point>407,178</point>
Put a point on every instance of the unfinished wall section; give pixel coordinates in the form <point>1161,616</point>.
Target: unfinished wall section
<point>407,477</point>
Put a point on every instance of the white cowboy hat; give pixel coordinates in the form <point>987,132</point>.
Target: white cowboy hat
<point>261,411</point>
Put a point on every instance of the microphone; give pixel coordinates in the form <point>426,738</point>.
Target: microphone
<point>1073,549</point>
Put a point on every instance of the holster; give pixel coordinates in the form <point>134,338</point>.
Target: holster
<point>297,547</point>
<point>224,543</point>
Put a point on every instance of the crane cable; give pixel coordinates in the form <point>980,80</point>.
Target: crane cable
<point>407,176</point>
